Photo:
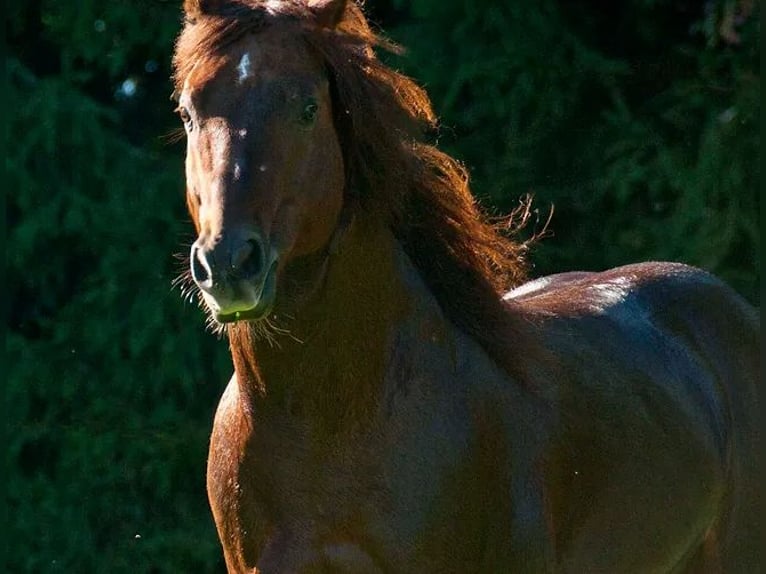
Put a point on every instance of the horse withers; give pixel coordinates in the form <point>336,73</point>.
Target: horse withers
<point>392,409</point>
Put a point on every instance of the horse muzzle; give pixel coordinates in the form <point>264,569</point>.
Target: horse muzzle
<point>236,274</point>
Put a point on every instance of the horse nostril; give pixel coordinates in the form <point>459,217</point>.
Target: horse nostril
<point>247,260</point>
<point>200,268</point>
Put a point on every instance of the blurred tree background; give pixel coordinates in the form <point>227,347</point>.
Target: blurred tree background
<point>637,120</point>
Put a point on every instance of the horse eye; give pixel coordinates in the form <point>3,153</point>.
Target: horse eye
<point>183,113</point>
<point>309,113</point>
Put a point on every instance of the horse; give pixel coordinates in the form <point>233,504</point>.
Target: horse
<point>394,406</point>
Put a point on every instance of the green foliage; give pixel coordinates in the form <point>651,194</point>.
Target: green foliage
<point>638,123</point>
<point>111,379</point>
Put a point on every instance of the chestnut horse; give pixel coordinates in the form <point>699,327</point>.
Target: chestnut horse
<point>390,410</point>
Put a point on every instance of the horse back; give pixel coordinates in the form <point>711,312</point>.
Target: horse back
<point>654,457</point>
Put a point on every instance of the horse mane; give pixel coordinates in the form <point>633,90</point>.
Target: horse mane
<point>382,117</point>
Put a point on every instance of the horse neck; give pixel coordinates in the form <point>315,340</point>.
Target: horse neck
<point>332,364</point>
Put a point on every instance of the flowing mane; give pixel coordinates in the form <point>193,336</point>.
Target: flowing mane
<point>382,118</point>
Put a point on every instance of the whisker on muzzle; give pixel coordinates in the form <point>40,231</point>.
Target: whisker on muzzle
<point>268,329</point>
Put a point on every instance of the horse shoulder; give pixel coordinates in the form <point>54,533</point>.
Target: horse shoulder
<point>229,486</point>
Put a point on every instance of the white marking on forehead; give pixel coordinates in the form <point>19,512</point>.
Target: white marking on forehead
<point>237,171</point>
<point>243,68</point>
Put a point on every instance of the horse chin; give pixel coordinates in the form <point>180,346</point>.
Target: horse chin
<point>254,314</point>
<point>264,303</point>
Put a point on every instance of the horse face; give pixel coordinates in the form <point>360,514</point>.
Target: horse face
<point>264,169</point>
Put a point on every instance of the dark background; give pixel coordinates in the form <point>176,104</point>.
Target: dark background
<point>636,119</point>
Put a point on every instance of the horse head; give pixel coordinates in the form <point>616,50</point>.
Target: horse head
<point>264,166</point>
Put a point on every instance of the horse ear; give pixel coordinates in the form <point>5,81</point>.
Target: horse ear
<point>328,12</point>
<point>195,8</point>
